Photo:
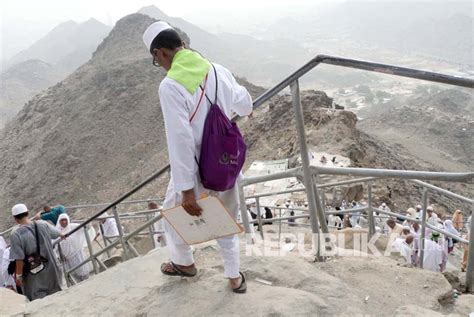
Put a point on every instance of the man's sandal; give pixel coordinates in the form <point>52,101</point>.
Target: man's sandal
<point>243,286</point>
<point>176,271</point>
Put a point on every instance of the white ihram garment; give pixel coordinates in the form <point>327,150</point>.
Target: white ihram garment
<point>184,145</point>
<point>72,248</point>
<point>433,256</point>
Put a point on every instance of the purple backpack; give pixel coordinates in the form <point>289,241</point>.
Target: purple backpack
<point>222,149</point>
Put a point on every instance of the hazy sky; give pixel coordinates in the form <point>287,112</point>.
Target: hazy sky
<point>25,21</point>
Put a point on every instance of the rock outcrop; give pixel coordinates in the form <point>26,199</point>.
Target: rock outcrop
<point>344,286</point>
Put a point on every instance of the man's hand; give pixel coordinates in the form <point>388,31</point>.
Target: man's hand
<point>62,236</point>
<point>189,203</point>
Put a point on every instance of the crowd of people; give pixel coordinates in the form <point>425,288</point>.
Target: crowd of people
<point>38,253</point>
<point>404,234</point>
<point>436,245</point>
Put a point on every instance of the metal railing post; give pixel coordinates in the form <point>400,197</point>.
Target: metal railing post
<point>370,212</point>
<point>91,251</point>
<point>132,248</point>
<point>150,230</point>
<point>470,254</point>
<point>323,199</point>
<point>315,209</point>
<point>259,218</point>
<point>320,208</point>
<point>243,212</point>
<point>423,226</point>
<point>104,239</point>
<point>279,226</point>
<point>120,230</point>
<point>63,266</point>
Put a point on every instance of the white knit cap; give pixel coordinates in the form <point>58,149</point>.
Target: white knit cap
<point>19,209</point>
<point>153,30</point>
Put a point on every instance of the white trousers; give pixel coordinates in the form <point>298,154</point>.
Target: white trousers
<point>182,254</point>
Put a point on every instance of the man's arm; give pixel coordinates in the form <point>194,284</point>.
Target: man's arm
<point>241,99</point>
<point>48,216</point>
<point>52,231</point>
<point>181,147</point>
<point>17,254</point>
<point>19,272</point>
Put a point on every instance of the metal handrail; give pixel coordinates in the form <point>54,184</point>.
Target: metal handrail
<point>128,202</point>
<point>119,200</point>
<point>386,173</point>
<point>363,65</point>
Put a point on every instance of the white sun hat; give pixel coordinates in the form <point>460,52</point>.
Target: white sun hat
<point>153,30</point>
<point>19,209</point>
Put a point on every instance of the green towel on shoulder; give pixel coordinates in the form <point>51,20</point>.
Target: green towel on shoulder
<point>189,69</point>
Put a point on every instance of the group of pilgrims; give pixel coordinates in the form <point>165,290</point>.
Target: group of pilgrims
<point>405,234</point>
<point>44,234</point>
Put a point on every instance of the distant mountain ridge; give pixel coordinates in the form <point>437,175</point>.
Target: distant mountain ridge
<point>47,61</point>
<point>439,29</point>
<point>262,62</point>
<point>65,40</point>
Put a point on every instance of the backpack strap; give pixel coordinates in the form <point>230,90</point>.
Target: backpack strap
<point>200,99</point>
<point>37,239</point>
<point>36,236</point>
<point>217,87</point>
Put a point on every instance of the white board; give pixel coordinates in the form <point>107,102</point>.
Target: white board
<point>214,222</point>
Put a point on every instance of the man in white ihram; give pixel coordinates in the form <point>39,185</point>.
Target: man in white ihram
<point>184,109</point>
